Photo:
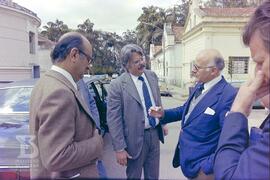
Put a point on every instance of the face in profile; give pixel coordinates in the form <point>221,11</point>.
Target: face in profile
<point>260,56</point>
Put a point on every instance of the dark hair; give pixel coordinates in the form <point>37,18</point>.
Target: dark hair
<point>260,21</point>
<point>126,53</point>
<point>64,46</point>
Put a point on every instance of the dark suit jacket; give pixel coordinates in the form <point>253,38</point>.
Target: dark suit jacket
<point>125,115</point>
<point>199,134</point>
<point>63,131</point>
<point>236,158</point>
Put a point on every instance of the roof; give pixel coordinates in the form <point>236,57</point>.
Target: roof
<point>45,41</point>
<point>178,32</point>
<point>226,12</point>
<point>16,6</point>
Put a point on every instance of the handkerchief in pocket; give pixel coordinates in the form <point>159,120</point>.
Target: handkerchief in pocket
<point>209,111</point>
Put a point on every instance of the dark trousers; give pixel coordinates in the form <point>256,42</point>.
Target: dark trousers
<point>148,161</point>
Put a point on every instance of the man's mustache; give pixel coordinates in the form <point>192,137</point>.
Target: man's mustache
<point>142,66</point>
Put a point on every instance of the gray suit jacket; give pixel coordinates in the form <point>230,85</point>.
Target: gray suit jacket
<point>125,114</point>
<point>63,129</point>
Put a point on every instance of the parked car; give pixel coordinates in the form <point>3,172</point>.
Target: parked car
<point>14,124</point>
<point>257,104</point>
<point>164,90</point>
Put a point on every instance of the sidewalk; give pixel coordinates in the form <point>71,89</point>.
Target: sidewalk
<point>178,93</point>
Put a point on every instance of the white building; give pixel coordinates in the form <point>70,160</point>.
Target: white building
<point>18,42</point>
<point>44,49</point>
<point>219,28</point>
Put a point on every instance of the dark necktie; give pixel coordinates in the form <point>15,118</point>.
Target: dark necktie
<point>147,102</point>
<point>199,90</point>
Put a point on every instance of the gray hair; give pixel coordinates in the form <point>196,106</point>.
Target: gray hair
<point>126,53</point>
<point>219,63</point>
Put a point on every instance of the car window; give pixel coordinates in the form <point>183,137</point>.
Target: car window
<point>15,99</point>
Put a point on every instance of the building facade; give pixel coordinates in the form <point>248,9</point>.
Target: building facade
<point>219,28</point>
<point>19,42</point>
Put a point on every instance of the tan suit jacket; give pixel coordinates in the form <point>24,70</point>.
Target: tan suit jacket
<point>63,129</point>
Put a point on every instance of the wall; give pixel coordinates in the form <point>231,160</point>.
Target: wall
<point>15,58</point>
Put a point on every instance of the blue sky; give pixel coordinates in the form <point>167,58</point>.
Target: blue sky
<point>108,15</point>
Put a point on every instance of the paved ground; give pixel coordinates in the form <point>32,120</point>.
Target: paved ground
<point>167,149</point>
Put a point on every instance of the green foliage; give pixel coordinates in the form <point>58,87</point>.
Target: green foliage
<point>107,45</point>
<point>152,20</point>
<point>54,30</point>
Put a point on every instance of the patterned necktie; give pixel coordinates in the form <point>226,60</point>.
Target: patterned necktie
<point>199,90</point>
<point>147,102</point>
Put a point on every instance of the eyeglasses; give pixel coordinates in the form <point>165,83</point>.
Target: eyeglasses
<point>201,67</point>
<point>137,61</point>
<point>89,58</point>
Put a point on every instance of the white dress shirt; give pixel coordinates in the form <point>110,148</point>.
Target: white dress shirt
<point>138,84</point>
<point>66,74</point>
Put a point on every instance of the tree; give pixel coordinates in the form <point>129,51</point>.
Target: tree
<point>150,27</point>
<point>180,12</point>
<point>53,31</point>
<point>129,37</point>
<point>152,20</point>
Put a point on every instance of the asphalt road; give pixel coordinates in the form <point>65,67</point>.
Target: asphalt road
<point>167,150</point>
<point>115,171</point>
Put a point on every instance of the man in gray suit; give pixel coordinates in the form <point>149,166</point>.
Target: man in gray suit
<point>60,122</point>
<point>135,135</point>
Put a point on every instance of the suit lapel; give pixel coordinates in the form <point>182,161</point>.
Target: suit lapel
<point>66,82</point>
<point>187,106</point>
<point>130,87</point>
<point>208,100</point>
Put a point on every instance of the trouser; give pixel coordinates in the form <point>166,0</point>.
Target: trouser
<point>148,160</point>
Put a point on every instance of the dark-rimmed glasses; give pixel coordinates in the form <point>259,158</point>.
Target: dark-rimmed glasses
<point>196,67</point>
<point>89,58</point>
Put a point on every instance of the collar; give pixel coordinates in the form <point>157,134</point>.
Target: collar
<point>211,83</point>
<point>64,73</point>
<point>135,78</point>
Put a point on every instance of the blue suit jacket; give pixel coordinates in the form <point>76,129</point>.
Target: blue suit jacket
<point>90,101</point>
<point>236,157</point>
<point>200,133</point>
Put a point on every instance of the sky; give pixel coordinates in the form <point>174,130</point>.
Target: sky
<point>107,15</point>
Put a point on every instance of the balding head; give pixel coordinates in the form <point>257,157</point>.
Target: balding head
<point>66,43</point>
<point>211,57</point>
<point>207,65</point>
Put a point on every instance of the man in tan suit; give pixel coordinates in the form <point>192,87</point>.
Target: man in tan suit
<point>60,121</point>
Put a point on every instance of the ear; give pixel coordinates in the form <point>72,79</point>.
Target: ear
<point>215,71</point>
<point>73,54</point>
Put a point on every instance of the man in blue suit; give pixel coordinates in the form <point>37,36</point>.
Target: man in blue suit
<point>240,155</point>
<point>202,116</point>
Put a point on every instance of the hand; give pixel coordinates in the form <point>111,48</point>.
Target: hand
<point>121,157</point>
<point>249,92</point>
<point>156,111</point>
<point>165,130</point>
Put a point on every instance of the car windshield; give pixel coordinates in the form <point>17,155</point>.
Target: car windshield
<point>15,99</point>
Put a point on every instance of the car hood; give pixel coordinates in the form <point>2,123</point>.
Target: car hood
<point>14,139</point>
